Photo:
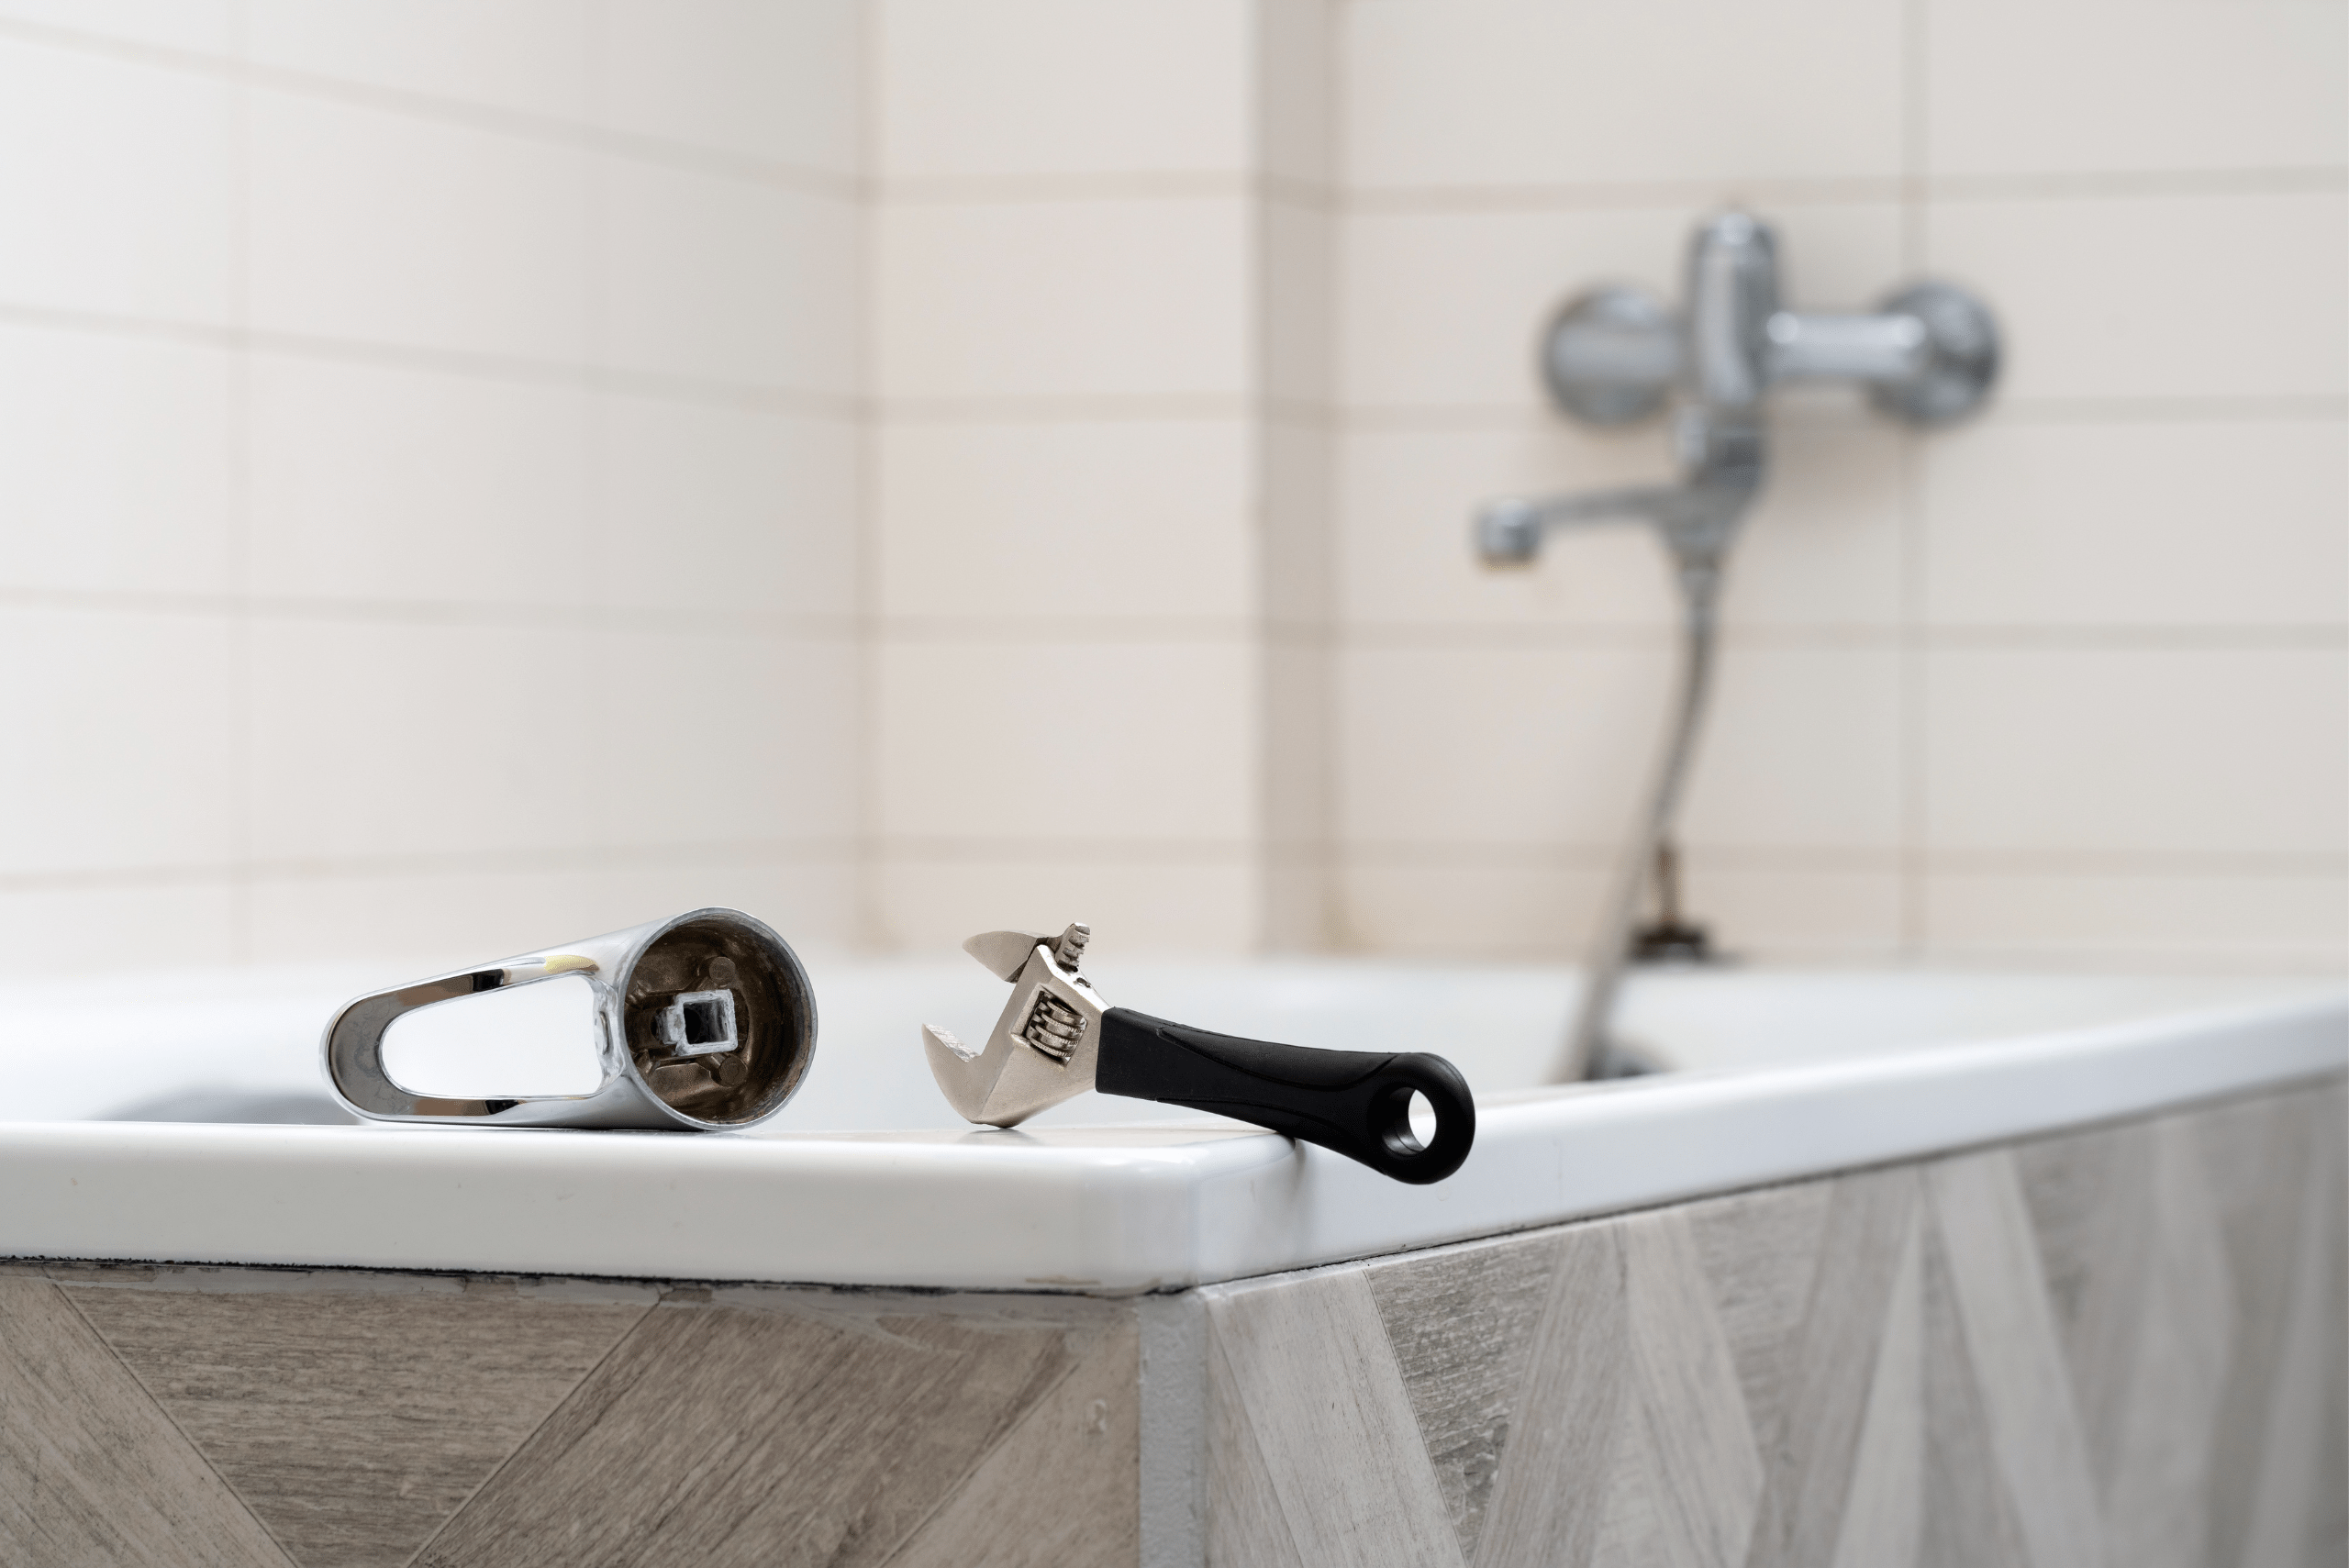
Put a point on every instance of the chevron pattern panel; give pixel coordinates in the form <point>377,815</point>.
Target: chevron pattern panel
<point>319,1420</point>
<point>2124,1348</point>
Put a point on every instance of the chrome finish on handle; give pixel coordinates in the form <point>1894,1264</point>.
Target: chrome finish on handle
<point>704,1021</point>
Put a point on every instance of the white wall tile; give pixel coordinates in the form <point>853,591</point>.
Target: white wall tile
<point>208,26</point>
<point>1801,748</point>
<point>730,280</point>
<point>116,185</point>
<point>116,463</point>
<point>46,930</point>
<point>727,509</point>
<point>1062,299</point>
<point>813,897</point>
<point>1794,913</point>
<point>1204,904</point>
<point>1448,308</point>
<point>2027,87</point>
<point>2173,750</point>
<point>1522,93</point>
<point>379,483</point>
<point>388,229</point>
<point>781,82</point>
<point>1045,521</point>
<point>1493,746</point>
<point>378,740</point>
<point>2142,919</point>
<point>727,739</point>
<point>2146,523</point>
<point>1824,545</point>
<point>2149,297</point>
<point>420,921</point>
<point>1028,87</point>
<point>1142,744</point>
<point>526,55</point>
<point>121,727</point>
<point>1527,907</point>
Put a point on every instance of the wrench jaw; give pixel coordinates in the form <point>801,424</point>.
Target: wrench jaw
<point>1045,1045</point>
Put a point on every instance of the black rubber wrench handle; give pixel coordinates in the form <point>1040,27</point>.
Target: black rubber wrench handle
<point>1355,1103</point>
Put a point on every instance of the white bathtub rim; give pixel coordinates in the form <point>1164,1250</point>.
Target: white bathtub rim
<point>1161,1208</point>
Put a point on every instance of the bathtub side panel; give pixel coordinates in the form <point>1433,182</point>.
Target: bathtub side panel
<point>2126,1345</point>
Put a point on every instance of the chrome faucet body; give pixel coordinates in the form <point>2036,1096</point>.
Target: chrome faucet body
<point>1927,355</point>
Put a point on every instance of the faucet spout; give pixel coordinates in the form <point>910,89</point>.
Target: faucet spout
<point>1928,355</point>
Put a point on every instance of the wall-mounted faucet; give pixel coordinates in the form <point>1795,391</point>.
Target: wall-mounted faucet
<point>1927,355</point>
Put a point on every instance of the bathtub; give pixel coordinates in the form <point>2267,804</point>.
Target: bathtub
<point>2020,1267</point>
<point>181,1118</point>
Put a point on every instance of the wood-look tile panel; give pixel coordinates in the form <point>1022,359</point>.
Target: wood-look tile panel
<point>1062,1485</point>
<point>2162,1409</point>
<point>1964,1519</point>
<point>1864,1241</point>
<point>1698,1433</point>
<point>354,1420</point>
<point>1245,1527</point>
<point>2288,1501</point>
<point>92,1472</point>
<point>1762,1251</point>
<point>1313,1371</point>
<point>1882,1520</point>
<point>767,1429</point>
<point>2094,1210</point>
<point>1570,1417</point>
<point>2009,1330</point>
<point>2257,1155</point>
<point>1462,1323</point>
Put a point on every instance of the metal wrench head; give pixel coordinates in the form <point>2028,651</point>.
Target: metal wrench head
<point>1046,1043</point>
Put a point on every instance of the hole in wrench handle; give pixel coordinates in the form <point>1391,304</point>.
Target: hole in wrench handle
<point>1355,1103</point>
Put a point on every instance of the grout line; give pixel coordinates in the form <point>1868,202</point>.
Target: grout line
<point>242,672</point>
<point>1839,414</point>
<point>521,124</point>
<point>1012,408</point>
<point>869,919</point>
<point>1891,860</point>
<point>1533,637</point>
<point>164,1411</point>
<point>1858,189</point>
<point>1915,785</point>
<point>493,615</point>
<point>2314,866</point>
<point>1254,185</point>
<point>257,871</point>
<point>240,338</point>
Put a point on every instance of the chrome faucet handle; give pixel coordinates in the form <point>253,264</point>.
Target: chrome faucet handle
<point>1928,354</point>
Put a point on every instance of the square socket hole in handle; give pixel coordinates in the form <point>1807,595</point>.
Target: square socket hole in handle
<point>698,1023</point>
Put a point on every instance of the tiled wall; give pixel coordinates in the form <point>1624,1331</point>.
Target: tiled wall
<point>2065,684</point>
<point>429,471</point>
<point>907,466</point>
<point>1097,265</point>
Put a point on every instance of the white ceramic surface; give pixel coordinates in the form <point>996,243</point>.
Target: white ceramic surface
<point>867,1178</point>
